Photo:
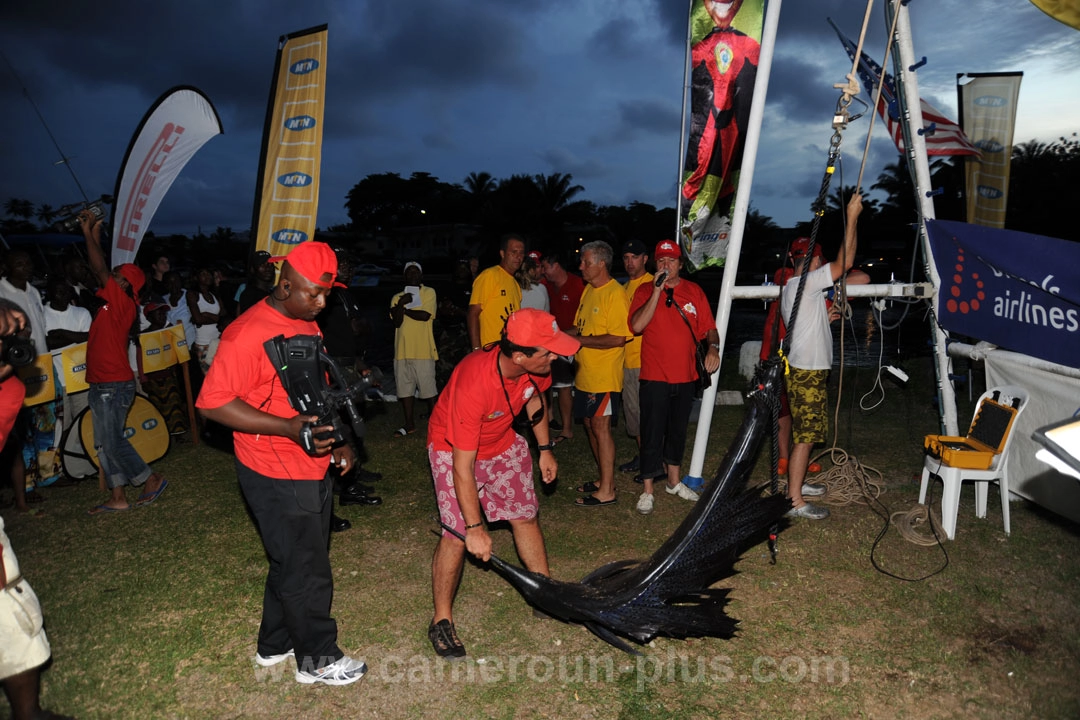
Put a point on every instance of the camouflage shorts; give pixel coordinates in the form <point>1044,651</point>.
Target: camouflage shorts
<point>808,395</point>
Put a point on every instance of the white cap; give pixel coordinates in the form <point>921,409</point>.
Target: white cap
<point>412,263</point>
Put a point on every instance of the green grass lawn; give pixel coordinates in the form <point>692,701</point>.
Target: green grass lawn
<point>154,613</point>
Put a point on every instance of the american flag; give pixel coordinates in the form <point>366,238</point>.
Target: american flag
<point>947,137</point>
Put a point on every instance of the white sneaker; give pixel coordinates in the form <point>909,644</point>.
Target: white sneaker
<point>682,491</point>
<point>343,672</point>
<point>812,489</point>
<point>645,503</point>
<point>271,660</point>
<point>809,511</point>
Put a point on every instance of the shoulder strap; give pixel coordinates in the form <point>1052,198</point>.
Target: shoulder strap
<point>686,320</point>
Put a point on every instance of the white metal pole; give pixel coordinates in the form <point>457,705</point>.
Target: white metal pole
<point>682,125</point>
<point>916,146</point>
<point>742,205</point>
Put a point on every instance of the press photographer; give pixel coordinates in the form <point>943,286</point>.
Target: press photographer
<point>288,490</point>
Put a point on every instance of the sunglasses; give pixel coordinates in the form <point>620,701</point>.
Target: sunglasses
<point>670,292</point>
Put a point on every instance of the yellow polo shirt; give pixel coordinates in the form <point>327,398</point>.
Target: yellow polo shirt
<point>602,311</point>
<point>632,356</point>
<point>498,294</point>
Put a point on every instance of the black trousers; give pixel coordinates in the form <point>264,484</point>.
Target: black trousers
<point>293,519</point>
<point>665,414</point>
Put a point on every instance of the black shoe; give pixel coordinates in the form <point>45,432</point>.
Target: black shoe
<point>355,489</point>
<point>366,475</point>
<point>445,641</point>
<point>365,499</point>
<point>339,524</point>
<point>632,466</point>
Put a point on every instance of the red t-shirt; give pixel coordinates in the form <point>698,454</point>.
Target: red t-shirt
<point>667,349</point>
<point>12,392</point>
<point>242,370</point>
<point>565,300</point>
<point>471,413</point>
<point>773,316</point>
<point>107,345</point>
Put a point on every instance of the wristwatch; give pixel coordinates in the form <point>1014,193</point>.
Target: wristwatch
<point>549,446</point>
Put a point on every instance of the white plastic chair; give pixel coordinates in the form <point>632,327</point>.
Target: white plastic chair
<point>952,478</point>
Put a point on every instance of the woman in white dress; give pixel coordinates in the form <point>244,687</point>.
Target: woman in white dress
<point>206,310</point>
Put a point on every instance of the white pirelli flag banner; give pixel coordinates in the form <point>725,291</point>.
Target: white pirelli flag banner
<point>173,129</point>
<point>988,116</point>
<point>287,197</point>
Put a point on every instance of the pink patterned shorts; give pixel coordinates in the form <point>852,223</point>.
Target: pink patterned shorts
<point>505,485</point>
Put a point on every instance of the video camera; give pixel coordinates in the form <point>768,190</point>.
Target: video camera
<point>69,221</point>
<point>303,368</point>
<point>17,351</point>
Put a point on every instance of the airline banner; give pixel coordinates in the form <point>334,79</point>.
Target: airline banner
<point>988,116</point>
<point>725,44</point>
<point>1016,290</point>
<point>173,129</point>
<point>287,199</point>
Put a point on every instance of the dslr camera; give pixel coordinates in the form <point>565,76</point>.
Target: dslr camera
<point>18,351</point>
<point>69,221</point>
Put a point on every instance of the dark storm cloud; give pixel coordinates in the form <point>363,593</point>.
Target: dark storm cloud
<point>565,161</point>
<point>793,93</point>
<point>592,90</point>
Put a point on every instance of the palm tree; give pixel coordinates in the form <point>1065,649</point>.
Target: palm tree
<point>19,208</point>
<point>556,192</point>
<point>481,187</point>
<point>480,184</point>
<point>1031,151</point>
<point>46,214</point>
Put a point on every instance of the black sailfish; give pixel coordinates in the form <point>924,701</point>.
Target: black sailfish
<point>670,593</point>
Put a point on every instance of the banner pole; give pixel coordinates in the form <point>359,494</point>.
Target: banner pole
<point>738,224</point>
<point>682,126</point>
<point>190,402</point>
<point>916,150</point>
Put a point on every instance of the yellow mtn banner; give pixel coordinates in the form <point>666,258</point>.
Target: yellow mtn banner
<point>288,195</point>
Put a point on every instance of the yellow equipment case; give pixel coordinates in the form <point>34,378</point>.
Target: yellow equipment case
<point>985,439</point>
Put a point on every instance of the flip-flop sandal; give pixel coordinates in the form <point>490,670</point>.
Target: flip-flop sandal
<point>560,438</point>
<point>147,498</point>
<point>402,432</point>
<point>589,487</point>
<point>106,510</point>
<point>590,501</point>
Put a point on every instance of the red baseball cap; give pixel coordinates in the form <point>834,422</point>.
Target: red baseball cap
<point>534,255</point>
<point>134,275</point>
<point>667,249</point>
<point>529,327</point>
<point>316,261</point>
<point>799,247</point>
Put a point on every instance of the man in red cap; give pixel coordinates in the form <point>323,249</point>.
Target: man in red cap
<point>481,466</point>
<point>288,491</point>
<point>111,379</point>
<point>671,314</point>
<point>810,356</point>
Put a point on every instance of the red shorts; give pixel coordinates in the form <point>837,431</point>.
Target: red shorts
<point>505,485</point>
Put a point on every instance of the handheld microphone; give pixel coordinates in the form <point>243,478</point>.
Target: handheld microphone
<point>660,278</point>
